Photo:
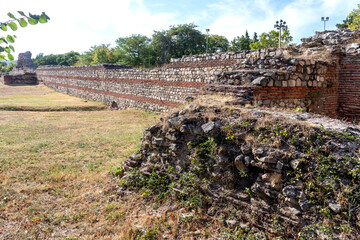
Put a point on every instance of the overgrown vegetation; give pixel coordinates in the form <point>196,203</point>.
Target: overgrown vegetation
<point>6,67</point>
<point>57,176</point>
<point>326,179</point>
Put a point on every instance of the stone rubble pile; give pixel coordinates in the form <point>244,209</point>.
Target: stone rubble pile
<point>266,167</point>
<point>338,41</point>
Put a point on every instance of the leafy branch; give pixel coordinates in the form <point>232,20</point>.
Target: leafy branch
<point>12,23</point>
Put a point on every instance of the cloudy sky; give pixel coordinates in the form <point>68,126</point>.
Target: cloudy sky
<point>79,24</point>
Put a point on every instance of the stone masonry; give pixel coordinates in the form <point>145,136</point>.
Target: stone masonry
<point>23,73</point>
<point>320,75</point>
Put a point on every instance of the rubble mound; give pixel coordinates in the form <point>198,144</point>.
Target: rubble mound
<point>328,43</point>
<point>268,174</point>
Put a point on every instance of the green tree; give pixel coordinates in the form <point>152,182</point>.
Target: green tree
<point>104,54</point>
<point>240,43</point>
<point>218,43</point>
<point>6,42</point>
<point>98,55</point>
<point>180,40</point>
<point>271,40</point>
<point>352,21</point>
<point>87,57</point>
<point>243,42</point>
<point>255,37</point>
<point>134,50</point>
<point>6,67</point>
<point>186,40</point>
<point>67,59</point>
<point>40,59</point>
<point>161,44</point>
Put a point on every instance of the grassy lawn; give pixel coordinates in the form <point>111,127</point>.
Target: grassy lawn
<point>56,168</point>
<point>41,98</point>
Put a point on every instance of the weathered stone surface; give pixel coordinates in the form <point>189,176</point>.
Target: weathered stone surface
<point>209,127</point>
<point>230,172</point>
<point>24,61</point>
<point>290,212</point>
<point>251,76</point>
<point>262,81</point>
<point>239,162</point>
<point>290,191</point>
<point>245,149</point>
<point>335,207</point>
<point>294,163</point>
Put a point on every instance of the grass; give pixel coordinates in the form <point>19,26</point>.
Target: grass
<point>56,168</point>
<point>41,98</point>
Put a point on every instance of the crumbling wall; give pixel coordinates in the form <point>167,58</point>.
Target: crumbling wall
<point>162,88</point>
<point>349,87</point>
<point>21,78</point>
<point>318,76</point>
<point>155,89</point>
<point>23,73</point>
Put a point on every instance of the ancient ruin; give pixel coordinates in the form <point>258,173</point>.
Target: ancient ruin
<point>319,75</point>
<point>25,62</point>
<point>23,73</point>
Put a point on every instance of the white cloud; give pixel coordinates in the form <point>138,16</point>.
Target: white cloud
<point>79,24</point>
<point>302,16</point>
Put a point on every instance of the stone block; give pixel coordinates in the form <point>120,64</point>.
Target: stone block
<point>292,83</point>
<point>260,81</point>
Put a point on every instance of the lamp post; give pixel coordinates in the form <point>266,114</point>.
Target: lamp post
<point>324,19</point>
<point>207,40</point>
<point>280,26</point>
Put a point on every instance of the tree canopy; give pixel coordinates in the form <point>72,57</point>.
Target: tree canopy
<point>6,67</point>
<point>67,59</point>
<point>243,42</point>
<point>141,51</point>
<point>184,39</point>
<point>98,54</point>
<point>271,40</point>
<point>23,20</point>
<point>218,43</point>
<point>352,21</point>
<point>134,50</point>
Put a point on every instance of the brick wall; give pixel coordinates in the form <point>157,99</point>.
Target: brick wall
<point>155,89</point>
<point>23,78</point>
<point>261,77</point>
<point>349,87</point>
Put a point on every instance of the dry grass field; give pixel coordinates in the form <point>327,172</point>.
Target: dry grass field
<point>41,98</point>
<point>56,168</point>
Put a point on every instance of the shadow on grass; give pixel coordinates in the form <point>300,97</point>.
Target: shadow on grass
<point>49,109</point>
<point>20,84</point>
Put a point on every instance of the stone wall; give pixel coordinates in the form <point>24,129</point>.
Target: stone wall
<point>21,78</point>
<point>23,73</point>
<point>120,86</point>
<point>265,77</point>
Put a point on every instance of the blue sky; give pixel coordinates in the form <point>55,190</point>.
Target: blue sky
<point>79,24</point>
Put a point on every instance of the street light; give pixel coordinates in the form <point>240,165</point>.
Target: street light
<point>324,19</point>
<point>207,40</point>
<point>279,26</point>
